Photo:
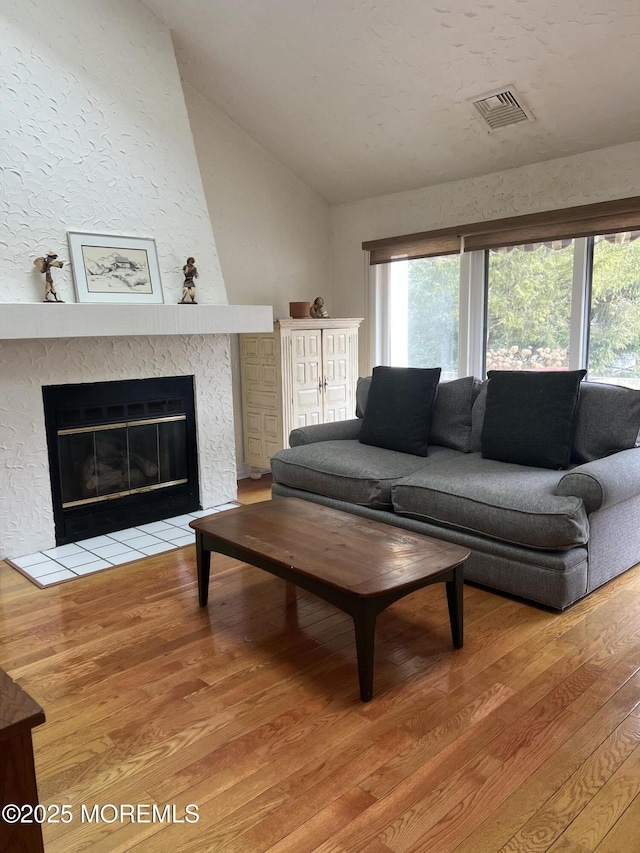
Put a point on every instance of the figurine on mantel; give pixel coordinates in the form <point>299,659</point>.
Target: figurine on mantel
<point>44,265</point>
<point>317,310</point>
<point>188,288</point>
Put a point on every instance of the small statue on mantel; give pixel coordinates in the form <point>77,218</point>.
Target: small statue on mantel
<point>44,265</point>
<point>188,288</point>
<point>317,310</point>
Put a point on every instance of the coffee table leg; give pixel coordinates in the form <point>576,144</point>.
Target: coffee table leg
<point>454,600</point>
<point>203,558</point>
<point>364,617</point>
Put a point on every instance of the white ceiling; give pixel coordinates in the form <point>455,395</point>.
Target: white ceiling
<point>365,97</point>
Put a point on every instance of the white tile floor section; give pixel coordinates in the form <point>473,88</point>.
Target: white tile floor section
<point>46,568</point>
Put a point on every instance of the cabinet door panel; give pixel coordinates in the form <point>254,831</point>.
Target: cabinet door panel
<point>336,413</point>
<point>268,347</point>
<point>269,374</point>
<point>307,344</point>
<point>335,374</point>
<point>261,399</point>
<point>270,426</point>
<point>336,395</point>
<point>261,437</point>
<point>303,419</point>
<point>307,403</point>
<point>308,399</point>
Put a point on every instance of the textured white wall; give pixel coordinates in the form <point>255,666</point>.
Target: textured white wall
<point>603,175</point>
<point>26,519</point>
<point>272,231</point>
<point>94,136</point>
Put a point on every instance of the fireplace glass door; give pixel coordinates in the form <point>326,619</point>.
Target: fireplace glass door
<point>121,459</point>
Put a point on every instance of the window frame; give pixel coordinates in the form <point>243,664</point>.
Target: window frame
<point>473,308</point>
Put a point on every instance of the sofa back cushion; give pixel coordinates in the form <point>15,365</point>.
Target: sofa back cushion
<point>362,393</point>
<point>451,415</point>
<point>477,418</point>
<point>607,421</point>
<point>451,418</point>
<point>398,410</point>
<point>530,415</point>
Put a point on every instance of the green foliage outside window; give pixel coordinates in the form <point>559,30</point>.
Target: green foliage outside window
<point>529,310</point>
<point>433,299</point>
<point>614,337</point>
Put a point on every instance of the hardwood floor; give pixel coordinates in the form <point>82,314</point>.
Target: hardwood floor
<point>527,739</point>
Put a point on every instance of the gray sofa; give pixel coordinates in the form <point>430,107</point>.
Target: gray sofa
<point>548,536</point>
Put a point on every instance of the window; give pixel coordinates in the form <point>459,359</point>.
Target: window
<point>614,316</point>
<point>423,312</point>
<point>529,292</point>
<point>551,305</point>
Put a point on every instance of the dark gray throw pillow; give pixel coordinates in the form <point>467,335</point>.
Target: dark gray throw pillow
<point>398,410</point>
<point>530,416</point>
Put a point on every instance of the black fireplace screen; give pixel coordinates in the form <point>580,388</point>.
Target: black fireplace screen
<point>121,454</point>
<point>121,459</point>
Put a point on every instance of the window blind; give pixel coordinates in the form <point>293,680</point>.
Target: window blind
<point>588,220</point>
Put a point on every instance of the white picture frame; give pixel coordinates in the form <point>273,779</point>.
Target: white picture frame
<point>108,268</point>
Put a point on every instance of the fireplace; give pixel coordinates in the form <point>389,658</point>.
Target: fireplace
<point>121,453</point>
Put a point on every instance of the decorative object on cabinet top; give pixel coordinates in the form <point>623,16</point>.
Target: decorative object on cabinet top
<point>299,310</point>
<point>317,310</point>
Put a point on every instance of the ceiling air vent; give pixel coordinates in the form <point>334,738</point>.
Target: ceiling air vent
<point>499,109</point>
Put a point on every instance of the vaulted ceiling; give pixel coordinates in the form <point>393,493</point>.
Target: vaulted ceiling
<point>365,97</point>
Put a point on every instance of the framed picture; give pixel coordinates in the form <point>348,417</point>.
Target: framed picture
<point>108,268</point>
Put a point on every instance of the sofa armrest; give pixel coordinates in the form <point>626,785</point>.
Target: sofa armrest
<point>335,431</point>
<point>604,482</point>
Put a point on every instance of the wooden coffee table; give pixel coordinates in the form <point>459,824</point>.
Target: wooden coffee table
<point>359,565</point>
<point>19,713</point>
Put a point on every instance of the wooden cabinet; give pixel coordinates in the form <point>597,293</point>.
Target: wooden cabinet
<point>304,372</point>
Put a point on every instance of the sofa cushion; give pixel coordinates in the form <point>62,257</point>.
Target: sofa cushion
<point>398,412</point>
<point>529,416</point>
<point>451,414</point>
<point>477,418</point>
<point>347,470</point>
<point>504,501</point>
<point>607,421</point>
<point>362,392</point>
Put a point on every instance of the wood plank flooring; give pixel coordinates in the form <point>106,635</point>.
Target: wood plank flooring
<point>527,739</point>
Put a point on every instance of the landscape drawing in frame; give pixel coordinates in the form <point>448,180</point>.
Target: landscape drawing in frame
<point>108,268</point>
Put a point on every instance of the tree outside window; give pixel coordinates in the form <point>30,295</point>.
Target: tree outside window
<point>614,320</point>
<point>529,307</point>
<point>425,298</point>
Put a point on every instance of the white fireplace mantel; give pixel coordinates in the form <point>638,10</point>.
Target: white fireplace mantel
<point>24,321</point>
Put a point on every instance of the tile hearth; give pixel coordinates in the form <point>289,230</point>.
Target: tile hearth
<point>66,562</point>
